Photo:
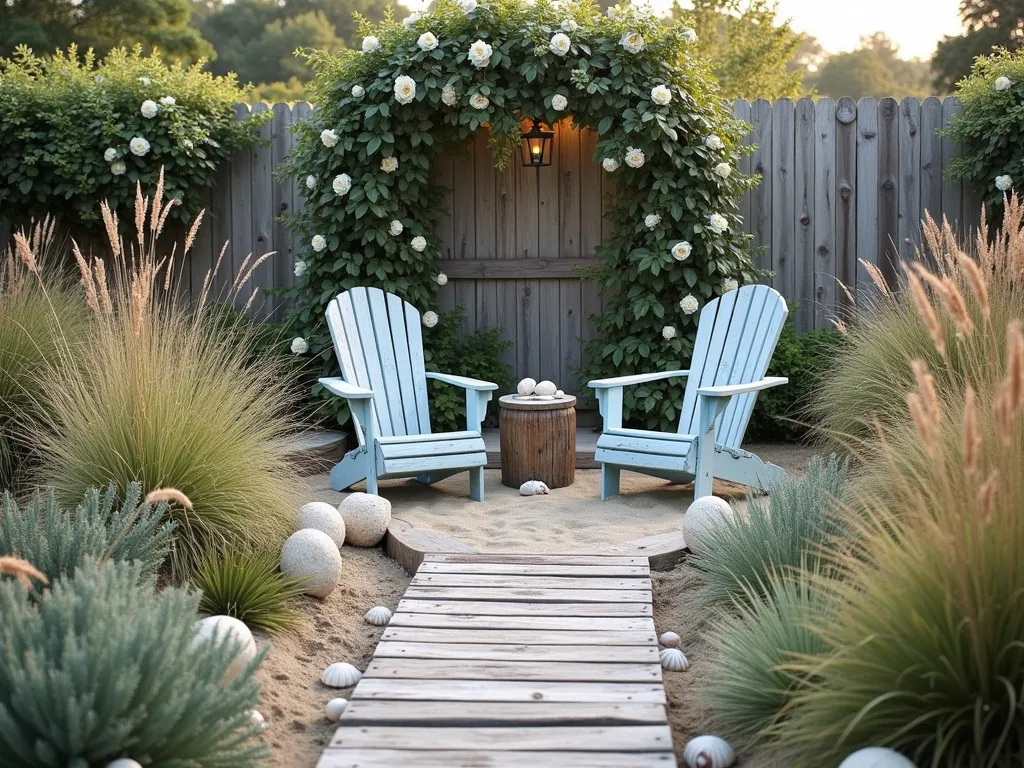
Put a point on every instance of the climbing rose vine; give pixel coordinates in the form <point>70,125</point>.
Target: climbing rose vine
<point>431,82</point>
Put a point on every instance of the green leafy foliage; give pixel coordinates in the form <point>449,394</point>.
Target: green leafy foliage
<point>248,586</point>
<point>57,541</point>
<point>987,25</point>
<point>62,115</point>
<point>607,89</point>
<point>101,667</point>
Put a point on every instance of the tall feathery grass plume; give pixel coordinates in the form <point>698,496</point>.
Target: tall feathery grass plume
<point>171,396</point>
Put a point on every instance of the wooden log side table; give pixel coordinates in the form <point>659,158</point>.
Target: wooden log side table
<point>538,440</point>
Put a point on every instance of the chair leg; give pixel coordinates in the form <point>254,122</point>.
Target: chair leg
<point>609,481</point>
<point>476,484</point>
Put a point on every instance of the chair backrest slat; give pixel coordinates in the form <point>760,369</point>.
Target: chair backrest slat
<point>403,362</point>
<point>414,333</point>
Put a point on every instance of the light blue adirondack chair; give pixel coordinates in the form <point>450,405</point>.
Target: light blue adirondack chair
<point>736,336</point>
<point>380,349</point>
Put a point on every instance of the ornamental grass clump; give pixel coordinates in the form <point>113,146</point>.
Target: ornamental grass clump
<point>167,396</point>
<point>248,586</point>
<point>101,667</point>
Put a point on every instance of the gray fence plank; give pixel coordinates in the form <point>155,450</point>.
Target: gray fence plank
<point>909,178</point>
<point>824,212</point>
<point>784,222</point>
<point>888,188</point>
<point>931,158</point>
<point>846,204</point>
<point>952,189</point>
<point>760,222</point>
<point>803,195</point>
<point>867,193</point>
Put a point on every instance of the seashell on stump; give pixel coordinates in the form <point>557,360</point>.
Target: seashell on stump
<point>124,762</point>
<point>378,616</point>
<point>876,757</point>
<point>321,516</point>
<point>220,629</point>
<point>367,518</point>
<point>256,720</point>
<point>526,387</point>
<point>340,675</point>
<point>335,708</point>
<point>673,660</point>
<point>701,518</point>
<point>533,488</point>
<point>708,752</point>
<point>313,557</point>
<point>670,640</point>
<point>546,389</point>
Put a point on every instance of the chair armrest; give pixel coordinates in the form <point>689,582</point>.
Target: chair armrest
<point>342,388</point>
<point>462,381</point>
<point>728,390</point>
<point>640,378</point>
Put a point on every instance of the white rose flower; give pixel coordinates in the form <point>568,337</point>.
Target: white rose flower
<point>632,42</point>
<point>318,242</point>
<point>610,164</point>
<point>395,228</point>
<point>634,157</point>
<point>480,54</point>
<point>467,6</point>
<point>1003,183</point>
<point>139,146</point>
<point>717,223</point>
<point>430,319</point>
<point>478,101</point>
<point>660,94</point>
<point>411,19</point>
<point>651,220</point>
<point>342,184</point>
<point>168,101</point>
<point>300,268</point>
<point>118,167</point>
<point>723,170</point>
<point>681,251</point>
<point>358,91</point>
<point>99,79</point>
<point>299,346</point>
<point>729,284</point>
<point>149,109</point>
<point>405,89</point>
<point>328,137</point>
<point>668,332</point>
<point>110,155</point>
<point>389,164</point>
<point>689,305</point>
<point>427,41</point>
<point>713,142</point>
<point>1002,83</point>
<point>419,244</point>
<point>570,25</point>
<point>441,279</point>
<point>145,80</point>
<point>448,95</point>
<point>559,102</point>
<point>690,36</point>
<point>187,143</point>
<point>559,44</point>
<point>370,44</point>
<point>310,181</point>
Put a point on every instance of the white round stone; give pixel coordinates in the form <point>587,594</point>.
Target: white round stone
<point>335,708</point>
<point>227,628</point>
<point>703,516</point>
<point>313,556</point>
<point>323,517</point>
<point>366,518</point>
<point>876,757</point>
<point>124,762</point>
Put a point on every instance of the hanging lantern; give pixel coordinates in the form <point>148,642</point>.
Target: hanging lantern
<point>537,146</point>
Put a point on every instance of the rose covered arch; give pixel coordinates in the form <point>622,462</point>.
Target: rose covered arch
<point>434,79</point>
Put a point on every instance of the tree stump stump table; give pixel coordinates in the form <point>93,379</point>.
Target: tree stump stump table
<point>538,440</point>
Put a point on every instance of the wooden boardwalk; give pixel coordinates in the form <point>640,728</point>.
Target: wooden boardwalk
<point>513,660</point>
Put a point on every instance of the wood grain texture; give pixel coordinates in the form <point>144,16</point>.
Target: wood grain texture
<point>390,758</point>
<point>538,445</point>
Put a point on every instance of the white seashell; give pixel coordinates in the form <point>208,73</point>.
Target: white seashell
<point>876,757</point>
<point>673,660</point>
<point>256,720</point>
<point>701,518</point>
<point>378,616</point>
<point>334,709</point>
<point>670,640</point>
<point>526,387</point>
<point>533,488</point>
<point>221,629</point>
<point>340,675</point>
<point>708,752</point>
<point>124,762</point>
<point>546,388</point>
<point>559,393</point>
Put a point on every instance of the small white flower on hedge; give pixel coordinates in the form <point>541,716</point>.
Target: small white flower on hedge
<point>610,164</point>
<point>149,109</point>
<point>342,184</point>
<point>405,89</point>
<point>480,54</point>
<point>300,268</point>
<point>411,19</point>
<point>430,319</point>
<point>139,146</point>
<point>714,142</point>
<point>370,44</point>
<point>570,25</point>
<point>310,181</point>
<point>652,220</point>
<point>318,243</point>
<point>118,167</point>
<point>478,101</point>
<point>299,346</point>
<point>427,41</point>
<point>559,44</point>
<point>1003,183</point>
<point>448,95</point>
<point>395,228</point>
<point>419,244</point>
<point>632,42</point>
<point>681,251</point>
<point>467,6</point>
<point>634,157</point>
<point>328,137</point>
<point>668,332</point>
<point>730,284</point>
<point>168,101</point>
<point>1002,83</point>
<point>660,94</point>
<point>441,279</point>
<point>689,305</point>
<point>717,223</point>
<point>723,170</point>
<point>559,102</point>
<point>689,36</point>
<point>99,79</point>
<point>145,80</point>
<point>389,164</point>
<point>187,144</point>
<point>110,155</point>
<point>358,91</point>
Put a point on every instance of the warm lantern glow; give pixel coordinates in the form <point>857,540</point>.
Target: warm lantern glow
<point>537,146</point>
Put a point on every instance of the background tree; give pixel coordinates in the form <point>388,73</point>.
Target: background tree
<point>874,69</point>
<point>988,24</point>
